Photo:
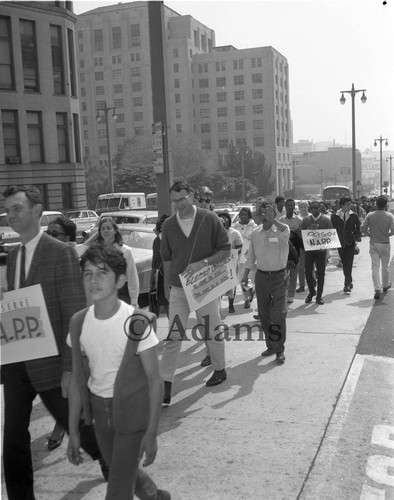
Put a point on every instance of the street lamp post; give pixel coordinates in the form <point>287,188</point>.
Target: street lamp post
<point>105,110</point>
<point>342,100</point>
<point>381,159</point>
<point>294,162</point>
<point>391,176</point>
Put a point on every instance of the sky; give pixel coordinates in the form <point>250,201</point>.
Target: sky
<point>329,45</point>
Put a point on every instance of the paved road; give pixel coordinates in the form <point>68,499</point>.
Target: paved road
<point>319,427</point>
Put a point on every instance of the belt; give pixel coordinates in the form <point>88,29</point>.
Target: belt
<point>271,272</point>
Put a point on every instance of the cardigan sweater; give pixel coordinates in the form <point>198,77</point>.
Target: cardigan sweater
<point>349,231</point>
<point>207,237</point>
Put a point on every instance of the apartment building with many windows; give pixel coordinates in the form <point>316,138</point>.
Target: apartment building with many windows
<point>219,94</point>
<point>39,126</point>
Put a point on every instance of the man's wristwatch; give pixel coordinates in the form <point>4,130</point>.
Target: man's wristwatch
<point>206,262</point>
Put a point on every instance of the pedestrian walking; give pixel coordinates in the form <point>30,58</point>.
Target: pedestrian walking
<point>303,207</point>
<point>347,224</point>
<point>269,251</point>
<point>192,238</point>
<point>379,226</point>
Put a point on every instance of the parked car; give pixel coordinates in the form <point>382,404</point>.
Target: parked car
<point>8,237</point>
<point>140,238</point>
<point>84,220</point>
<point>224,207</point>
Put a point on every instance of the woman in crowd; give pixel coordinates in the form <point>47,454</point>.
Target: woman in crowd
<point>157,274</point>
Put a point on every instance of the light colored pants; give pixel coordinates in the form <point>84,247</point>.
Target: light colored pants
<point>177,320</point>
<point>380,252</point>
<point>292,282</point>
<point>301,268</point>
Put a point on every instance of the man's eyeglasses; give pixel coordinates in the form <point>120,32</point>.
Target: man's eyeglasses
<point>180,200</point>
<point>55,233</point>
<point>207,200</point>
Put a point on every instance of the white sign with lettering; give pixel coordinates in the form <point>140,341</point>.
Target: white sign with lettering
<point>320,239</point>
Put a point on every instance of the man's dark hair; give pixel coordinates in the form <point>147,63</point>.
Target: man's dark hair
<point>227,216</point>
<point>290,199</point>
<point>32,193</point>
<point>279,198</point>
<point>105,253</point>
<point>179,185</point>
<point>118,235</point>
<point>68,226</point>
<point>381,202</point>
<point>344,200</point>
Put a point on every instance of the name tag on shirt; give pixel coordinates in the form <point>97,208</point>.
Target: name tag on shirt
<point>273,240</point>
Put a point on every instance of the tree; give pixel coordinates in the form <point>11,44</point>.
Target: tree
<point>264,178</point>
<point>187,155</point>
<point>96,179</point>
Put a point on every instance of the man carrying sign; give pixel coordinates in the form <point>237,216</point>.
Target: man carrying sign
<point>42,260</point>
<point>316,220</point>
<point>192,238</point>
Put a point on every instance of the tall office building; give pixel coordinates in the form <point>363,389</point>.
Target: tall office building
<point>39,129</point>
<point>220,95</point>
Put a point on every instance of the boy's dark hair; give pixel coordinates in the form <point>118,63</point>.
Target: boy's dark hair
<point>68,225</point>
<point>179,185</point>
<point>105,253</point>
<point>381,202</point>
<point>279,198</point>
<point>32,193</point>
<point>227,216</point>
<point>344,200</point>
<point>290,199</point>
<point>118,235</point>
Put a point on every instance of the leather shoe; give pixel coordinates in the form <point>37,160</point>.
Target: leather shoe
<point>319,301</point>
<point>377,295</point>
<point>55,443</point>
<point>347,289</point>
<point>217,378</point>
<point>268,352</point>
<point>167,393</point>
<point>280,358</point>
<point>247,304</point>
<point>206,361</point>
<point>309,297</point>
<point>385,288</point>
<point>256,316</point>
<point>300,289</point>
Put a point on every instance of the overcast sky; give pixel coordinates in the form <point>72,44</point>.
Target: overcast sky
<point>328,44</point>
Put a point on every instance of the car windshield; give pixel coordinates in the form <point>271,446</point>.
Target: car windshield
<point>72,215</point>
<point>138,239</point>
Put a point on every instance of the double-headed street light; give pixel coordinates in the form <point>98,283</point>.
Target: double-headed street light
<point>106,110</point>
<point>342,100</point>
<point>381,160</point>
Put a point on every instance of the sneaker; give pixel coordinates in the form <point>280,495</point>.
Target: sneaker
<point>256,317</point>
<point>377,295</point>
<point>217,378</point>
<point>385,288</point>
<point>347,289</point>
<point>206,361</point>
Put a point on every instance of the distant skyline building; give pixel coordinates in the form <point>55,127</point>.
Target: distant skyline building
<point>219,95</point>
<point>39,129</point>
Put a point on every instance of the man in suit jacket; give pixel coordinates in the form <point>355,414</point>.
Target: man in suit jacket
<point>54,266</point>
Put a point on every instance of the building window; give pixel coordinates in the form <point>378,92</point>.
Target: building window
<point>120,132</point>
<point>102,134</point>
<point>136,86</point>
<point>118,88</point>
<point>84,106</point>
<point>257,93</point>
<point>203,83</point>
<point>138,117</point>
<point>117,73</point>
<point>203,68</point>
<point>85,135</point>
<point>139,131</point>
<point>256,62</point>
<point>71,62</point>
<point>99,75</point>
<point>34,134</point>
<point>98,40</point>
<point>135,35</point>
<point>136,71</point>
<point>98,61</point>
<point>116,37</point>
<point>67,197</point>
<point>137,101</point>
<point>223,143</point>
<point>238,64</point>
<point>258,141</point>
<point>176,68</point>
<point>239,110</point>
<point>205,128</point>
<point>81,63</point>
<point>204,42</point>
<point>177,98</point>
<point>258,124</point>
<point>220,66</point>
<point>175,53</point>
<point>222,127</point>
<point>178,113</point>
<point>10,133</point>
<point>221,81</point>
<point>7,80</point>
<point>118,103</point>
<point>57,59</point>
<point>135,57</point>
<point>257,109</point>
<point>239,95</point>
<point>204,98</point>
<point>206,144</point>
<point>80,34</point>
<point>196,38</point>
<point>204,113</point>
<point>80,47</point>
<point>103,150</point>
<point>82,77</point>
<point>84,120</point>
<point>222,111</point>
<point>100,105</point>
<point>83,92</point>
<point>100,91</point>
<point>62,137</point>
<point>238,79</point>
<point>29,55</point>
<point>239,125</point>
<point>221,97</point>
<point>120,118</point>
<point>257,77</point>
<point>179,128</point>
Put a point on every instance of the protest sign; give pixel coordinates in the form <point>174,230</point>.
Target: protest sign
<point>210,282</point>
<point>25,328</point>
<point>320,239</point>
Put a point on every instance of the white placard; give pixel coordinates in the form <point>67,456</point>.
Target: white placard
<point>25,328</point>
<point>210,282</point>
<point>320,239</point>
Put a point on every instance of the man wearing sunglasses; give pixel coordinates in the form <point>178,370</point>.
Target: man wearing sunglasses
<point>203,197</point>
<point>63,230</point>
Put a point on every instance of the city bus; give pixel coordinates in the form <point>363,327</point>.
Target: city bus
<point>151,201</point>
<point>120,201</point>
<point>333,193</point>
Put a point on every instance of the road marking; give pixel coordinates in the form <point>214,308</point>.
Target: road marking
<point>378,467</point>
<point>370,493</point>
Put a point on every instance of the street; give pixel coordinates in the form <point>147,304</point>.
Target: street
<point>321,426</point>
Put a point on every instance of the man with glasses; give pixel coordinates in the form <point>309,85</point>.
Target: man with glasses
<point>316,220</point>
<point>64,230</point>
<point>203,197</point>
<point>192,238</point>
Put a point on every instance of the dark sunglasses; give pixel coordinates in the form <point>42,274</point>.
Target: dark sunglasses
<point>55,233</point>
<point>208,200</point>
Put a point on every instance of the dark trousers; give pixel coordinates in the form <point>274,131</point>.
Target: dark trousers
<point>19,395</point>
<point>347,256</point>
<point>271,291</point>
<point>317,257</point>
